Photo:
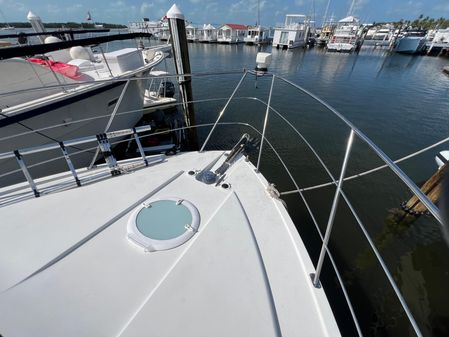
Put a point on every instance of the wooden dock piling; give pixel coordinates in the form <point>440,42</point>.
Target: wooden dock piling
<point>432,188</point>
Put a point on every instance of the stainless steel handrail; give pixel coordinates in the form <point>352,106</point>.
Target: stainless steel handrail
<point>407,181</point>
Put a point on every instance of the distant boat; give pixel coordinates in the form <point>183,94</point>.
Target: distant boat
<point>379,35</point>
<point>257,35</point>
<point>412,42</point>
<point>294,33</point>
<point>326,33</point>
<point>345,38</point>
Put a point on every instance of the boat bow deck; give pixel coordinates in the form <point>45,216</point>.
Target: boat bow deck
<point>67,261</point>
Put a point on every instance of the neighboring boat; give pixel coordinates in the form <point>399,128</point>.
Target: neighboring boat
<point>346,36</point>
<point>326,33</point>
<point>413,41</point>
<point>160,91</point>
<point>257,35</point>
<point>438,42</point>
<point>380,36</point>
<point>208,34</point>
<point>231,33</point>
<point>72,89</point>
<point>294,33</point>
<point>192,33</point>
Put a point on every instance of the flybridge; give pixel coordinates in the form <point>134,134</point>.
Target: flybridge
<point>28,50</point>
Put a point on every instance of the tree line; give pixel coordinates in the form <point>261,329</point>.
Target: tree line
<point>423,23</point>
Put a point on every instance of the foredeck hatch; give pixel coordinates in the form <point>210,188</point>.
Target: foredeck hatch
<point>163,224</point>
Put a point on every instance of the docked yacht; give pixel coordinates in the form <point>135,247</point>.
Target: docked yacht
<point>380,36</point>
<point>257,35</point>
<point>294,33</point>
<point>69,92</point>
<point>412,41</point>
<point>325,34</point>
<point>208,34</point>
<point>346,36</point>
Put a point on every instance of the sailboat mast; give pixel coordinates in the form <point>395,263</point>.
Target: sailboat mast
<point>258,13</point>
<point>351,9</point>
<point>325,13</point>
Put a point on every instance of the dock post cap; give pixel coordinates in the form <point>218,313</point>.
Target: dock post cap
<point>175,13</point>
<point>32,16</point>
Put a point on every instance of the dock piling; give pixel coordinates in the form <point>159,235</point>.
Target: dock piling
<point>182,64</point>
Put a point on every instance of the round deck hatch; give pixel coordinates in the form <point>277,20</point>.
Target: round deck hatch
<point>163,224</point>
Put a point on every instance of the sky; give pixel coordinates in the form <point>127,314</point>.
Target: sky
<point>272,12</point>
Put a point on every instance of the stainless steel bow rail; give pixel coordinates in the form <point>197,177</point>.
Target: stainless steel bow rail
<point>103,142</point>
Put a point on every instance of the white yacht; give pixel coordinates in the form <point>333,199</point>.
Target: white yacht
<point>208,34</point>
<point>346,36</point>
<point>411,42</point>
<point>380,36</point>
<point>294,33</point>
<point>257,35</point>
<point>70,93</point>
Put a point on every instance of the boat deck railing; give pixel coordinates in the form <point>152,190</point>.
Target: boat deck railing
<point>104,145</point>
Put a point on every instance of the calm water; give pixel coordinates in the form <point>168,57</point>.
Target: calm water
<point>402,104</point>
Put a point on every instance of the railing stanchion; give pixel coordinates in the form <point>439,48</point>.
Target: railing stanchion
<point>222,111</point>
<point>105,61</point>
<point>139,145</point>
<point>69,163</point>
<point>265,122</point>
<point>26,173</point>
<point>108,125</point>
<point>316,276</point>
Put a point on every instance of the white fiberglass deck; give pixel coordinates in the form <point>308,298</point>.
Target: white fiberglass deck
<point>68,267</point>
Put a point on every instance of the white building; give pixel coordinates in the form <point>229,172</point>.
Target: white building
<point>231,33</point>
<point>208,34</point>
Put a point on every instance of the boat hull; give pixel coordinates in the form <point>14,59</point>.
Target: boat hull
<point>94,106</point>
<point>410,45</point>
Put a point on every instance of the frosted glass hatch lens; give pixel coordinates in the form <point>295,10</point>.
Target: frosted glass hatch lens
<point>163,224</point>
<point>163,220</point>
